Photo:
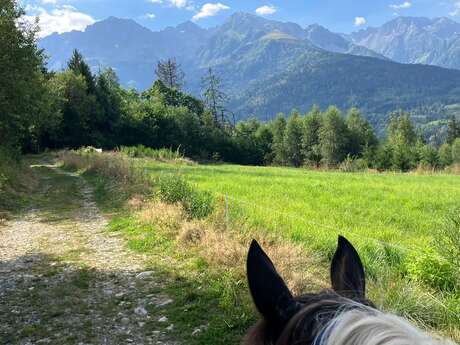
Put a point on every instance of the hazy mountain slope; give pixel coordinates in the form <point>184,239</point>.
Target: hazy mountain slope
<point>123,44</point>
<point>333,42</point>
<point>242,29</point>
<point>414,40</point>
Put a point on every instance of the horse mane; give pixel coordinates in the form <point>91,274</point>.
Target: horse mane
<point>366,326</point>
<point>351,324</point>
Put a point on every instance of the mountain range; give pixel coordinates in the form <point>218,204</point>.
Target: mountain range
<point>269,66</point>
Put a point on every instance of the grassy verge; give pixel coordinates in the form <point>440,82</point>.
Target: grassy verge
<point>17,181</point>
<point>202,261</point>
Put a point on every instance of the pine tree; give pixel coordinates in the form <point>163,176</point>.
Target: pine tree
<point>278,147</point>
<point>445,155</point>
<point>108,94</point>
<point>78,66</point>
<point>310,138</point>
<point>170,73</point>
<point>361,134</point>
<point>402,138</point>
<point>456,151</point>
<point>333,136</point>
<point>429,156</point>
<point>215,99</point>
<point>293,140</point>
<point>453,130</point>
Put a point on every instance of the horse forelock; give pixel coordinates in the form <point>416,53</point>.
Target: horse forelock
<point>328,319</point>
<point>366,326</point>
<point>314,314</point>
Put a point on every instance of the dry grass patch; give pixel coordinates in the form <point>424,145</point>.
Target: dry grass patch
<point>114,166</point>
<point>226,250</point>
<point>166,216</point>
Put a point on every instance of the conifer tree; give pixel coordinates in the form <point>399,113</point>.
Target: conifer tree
<point>215,99</point>
<point>278,147</point>
<point>170,73</point>
<point>293,139</point>
<point>333,137</point>
<point>78,66</point>
<point>310,138</point>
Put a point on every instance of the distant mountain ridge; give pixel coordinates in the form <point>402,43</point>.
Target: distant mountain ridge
<point>269,66</point>
<point>414,40</point>
<point>337,43</point>
<point>131,49</point>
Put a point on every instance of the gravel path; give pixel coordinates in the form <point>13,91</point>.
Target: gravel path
<point>65,280</point>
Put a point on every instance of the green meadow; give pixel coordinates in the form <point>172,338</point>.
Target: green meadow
<point>403,210</point>
<point>400,223</point>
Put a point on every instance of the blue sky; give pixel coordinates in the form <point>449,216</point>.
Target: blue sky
<point>337,15</point>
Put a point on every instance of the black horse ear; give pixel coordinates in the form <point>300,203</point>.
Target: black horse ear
<point>269,292</point>
<point>347,272</point>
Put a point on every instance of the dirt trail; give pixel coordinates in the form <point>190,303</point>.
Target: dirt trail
<point>65,280</point>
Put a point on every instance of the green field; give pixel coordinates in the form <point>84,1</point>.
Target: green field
<point>404,210</point>
<point>396,221</point>
<point>393,219</point>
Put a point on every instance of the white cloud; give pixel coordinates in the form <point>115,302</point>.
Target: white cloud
<point>266,10</point>
<point>456,10</point>
<point>61,19</point>
<point>156,1</point>
<point>209,10</point>
<point>150,16</point>
<point>179,3</point>
<point>404,5</point>
<point>360,21</point>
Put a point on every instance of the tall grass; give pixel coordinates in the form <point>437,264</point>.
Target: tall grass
<point>118,168</point>
<point>140,151</point>
<point>16,180</point>
<point>122,170</point>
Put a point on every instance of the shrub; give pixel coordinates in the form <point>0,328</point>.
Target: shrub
<point>447,239</point>
<point>175,189</point>
<point>9,167</point>
<point>432,269</point>
<point>456,151</point>
<point>199,204</point>
<point>140,151</point>
<point>353,165</point>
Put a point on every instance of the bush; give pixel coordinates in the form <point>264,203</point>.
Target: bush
<point>9,167</point>
<point>447,239</point>
<point>140,151</point>
<point>175,190</point>
<point>432,269</point>
<point>353,165</point>
<point>199,204</point>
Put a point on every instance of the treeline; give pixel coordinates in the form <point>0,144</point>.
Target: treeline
<point>75,107</point>
<point>329,139</point>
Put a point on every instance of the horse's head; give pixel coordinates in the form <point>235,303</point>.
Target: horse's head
<point>339,316</point>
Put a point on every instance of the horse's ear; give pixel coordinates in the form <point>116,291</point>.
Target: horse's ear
<point>269,292</point>
<point>347,272</point>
